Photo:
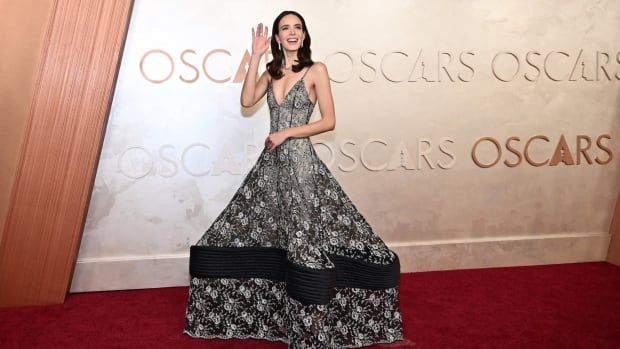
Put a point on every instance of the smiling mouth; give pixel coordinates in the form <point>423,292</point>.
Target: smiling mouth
<point>292,40</point>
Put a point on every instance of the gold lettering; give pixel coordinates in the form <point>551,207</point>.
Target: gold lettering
<point>582,150</point>
<point>514,151</point>
<point>196,71</point>
<point>526,151</point>
<point>497,146</point>
<point>204,65</point>
<point>156,81</point>
<point>605,149</point>
<point>562,153</point>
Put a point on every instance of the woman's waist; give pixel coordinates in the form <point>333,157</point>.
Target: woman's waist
<point>295,145</point>
<point>278,124</point>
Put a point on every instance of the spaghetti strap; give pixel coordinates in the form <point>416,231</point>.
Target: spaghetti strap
<point>307,70</point>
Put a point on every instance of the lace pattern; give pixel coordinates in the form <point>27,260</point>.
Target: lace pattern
<point>290,200</point>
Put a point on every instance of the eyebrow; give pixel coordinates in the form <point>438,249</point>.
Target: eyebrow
<point>286,25</point>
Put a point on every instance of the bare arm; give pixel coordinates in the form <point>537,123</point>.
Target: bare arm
<point>253,90</point>
<point>327,122</point>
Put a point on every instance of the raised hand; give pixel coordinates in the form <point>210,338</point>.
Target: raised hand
<point>260,39</point>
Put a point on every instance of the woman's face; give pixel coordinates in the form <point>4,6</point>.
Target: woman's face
<point>290,34</point>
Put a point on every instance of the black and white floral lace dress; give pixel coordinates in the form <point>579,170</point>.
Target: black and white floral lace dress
<point>290,258</point>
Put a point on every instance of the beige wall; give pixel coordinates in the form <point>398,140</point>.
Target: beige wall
<point>436,76</point>
<point>22,32</point>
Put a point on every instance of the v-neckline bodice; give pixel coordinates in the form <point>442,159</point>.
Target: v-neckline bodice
<point>275,99</point>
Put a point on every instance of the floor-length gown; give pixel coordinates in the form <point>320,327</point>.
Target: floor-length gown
<point>290,258</point>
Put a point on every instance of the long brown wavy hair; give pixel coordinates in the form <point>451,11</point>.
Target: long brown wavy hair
<point>304,54</point>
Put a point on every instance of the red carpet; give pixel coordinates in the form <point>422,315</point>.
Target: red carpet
<point>553,306</point>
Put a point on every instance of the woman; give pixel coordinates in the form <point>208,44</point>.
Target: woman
<point>290,258</point>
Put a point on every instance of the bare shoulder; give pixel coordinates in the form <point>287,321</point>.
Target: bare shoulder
<point>319,68</point>
<point>319,71</point>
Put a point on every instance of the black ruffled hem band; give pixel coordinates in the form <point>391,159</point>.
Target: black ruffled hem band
<point>306,285</point>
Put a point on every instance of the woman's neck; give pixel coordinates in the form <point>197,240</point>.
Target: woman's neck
<point>289,59</point>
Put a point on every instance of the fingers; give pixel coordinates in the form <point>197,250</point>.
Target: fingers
<point>267,143</point>
<point>260,31</point>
